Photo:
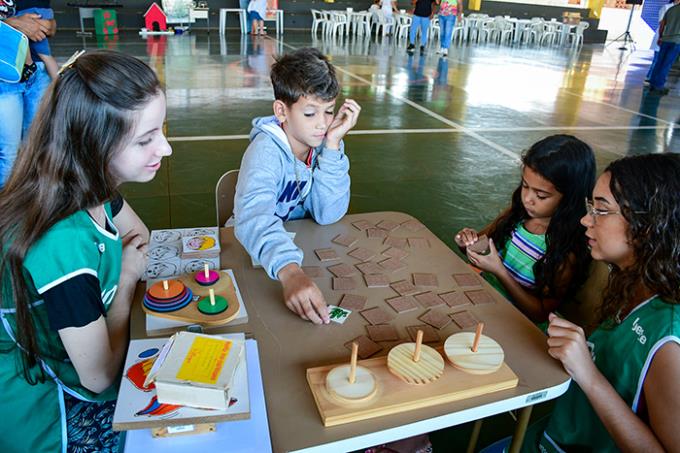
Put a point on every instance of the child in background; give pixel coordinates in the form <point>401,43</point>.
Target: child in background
<point>542,257</point>
<point>257,10</point>
<point>40,50</point>
<point>625,395</point>
<point>295,167</point>
<point>72,252</point>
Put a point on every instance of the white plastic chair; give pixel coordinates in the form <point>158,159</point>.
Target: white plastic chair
<point>318,19</point>
<point>338,25</point>
<point>362,24</point>
<point>460,30</point>
<point>577,36</point>
<point>381,22</point>
<point>403,25</point>
<point>434,31</point>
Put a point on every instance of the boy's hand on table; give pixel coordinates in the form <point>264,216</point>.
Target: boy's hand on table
<point>344,120</point>
<point>302,296</point>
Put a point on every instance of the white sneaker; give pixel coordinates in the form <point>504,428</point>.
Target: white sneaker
<point>440,50</point>
<point>445,52</point>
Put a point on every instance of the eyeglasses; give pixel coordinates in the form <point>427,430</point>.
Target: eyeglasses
<point>595,213</point>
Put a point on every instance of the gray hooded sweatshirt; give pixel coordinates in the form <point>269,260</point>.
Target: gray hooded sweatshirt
<point>274,187</point>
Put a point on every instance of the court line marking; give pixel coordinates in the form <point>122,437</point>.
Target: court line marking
<point>513,156</point>
<point>207,138</point>
<point>617,107</point>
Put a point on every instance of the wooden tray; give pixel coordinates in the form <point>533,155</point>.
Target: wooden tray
<point>394,396</point>
<point>224,287</point>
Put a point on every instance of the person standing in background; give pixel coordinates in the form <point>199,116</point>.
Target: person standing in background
<point>449,11</point>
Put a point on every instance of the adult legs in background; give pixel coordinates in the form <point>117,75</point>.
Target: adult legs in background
<point>446,24</point>
<point>651,66</point>
<point>33,94</point>
<point>12,108</point>
<point>668,52</point>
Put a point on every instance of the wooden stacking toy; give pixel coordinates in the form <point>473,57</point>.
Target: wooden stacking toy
<point>212,305</point>
<point>167,296</point>
<point>474,353</point>
<point>351,383</point>
<point>415,363</point>
<point>206,277</point>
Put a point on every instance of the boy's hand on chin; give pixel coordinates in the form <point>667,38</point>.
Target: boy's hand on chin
<point>344,120</point>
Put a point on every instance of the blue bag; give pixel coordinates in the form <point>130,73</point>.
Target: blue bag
<point>12,53</point>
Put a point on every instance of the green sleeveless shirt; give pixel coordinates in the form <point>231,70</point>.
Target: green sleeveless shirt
<point>623,355</point>
<point>33,416</point>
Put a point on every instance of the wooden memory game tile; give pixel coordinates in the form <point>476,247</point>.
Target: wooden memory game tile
<point>400,243</point>
<point>369,268</point>
<point>376,280</point>
<point>426,280</point>
<point>429,300</point>
<point>455,298</point>
<point>362,225</point>
<point>481,246</point>
<point>394,252</point>
<point>430,335</point>
<point>467,280</point>
<point>376,233</point>
<point>480,297</point>
<point>345,240</point>
<point>326,254</point>
<point>344,284</point>
<point>342,270</point>
<point>413,225</point>
<point>435,318</point>
<point>387,225</point>
<point>392,264</point>
<point>367,347</point>
<point>362,254</point>
<point>402,304</point>
<point>376,315</point>
<point>464,319</point>
<point>353,302</point>
<point>404,288</point>
<point>418,242</point>
<point>382,332</point>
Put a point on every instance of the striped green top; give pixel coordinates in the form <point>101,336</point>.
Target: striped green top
<point>521,251</point>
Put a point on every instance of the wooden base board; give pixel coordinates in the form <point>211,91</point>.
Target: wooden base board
<point>395,396</point>
<point>224,287</point>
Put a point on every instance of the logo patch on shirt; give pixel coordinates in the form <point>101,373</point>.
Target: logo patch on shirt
<point>639,331</point>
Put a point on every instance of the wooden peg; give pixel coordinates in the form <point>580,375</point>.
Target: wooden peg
<point>353,365</point>
<point>478,334</point>
<point>419,342</point>
<point>212,296</point>
<point>206,271</point>
<point>165,285</point>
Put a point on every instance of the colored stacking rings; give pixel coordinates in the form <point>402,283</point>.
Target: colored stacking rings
<point>175,297</point>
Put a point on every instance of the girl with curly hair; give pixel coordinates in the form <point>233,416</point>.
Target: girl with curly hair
<point>625,392</point>
<point>542,258</point>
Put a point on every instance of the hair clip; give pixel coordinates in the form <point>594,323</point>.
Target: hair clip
<point>71,61</point>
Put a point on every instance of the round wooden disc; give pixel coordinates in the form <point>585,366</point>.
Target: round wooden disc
<point>429,368</point>
<point>363,389</point>
<point>488,358</point>
<point>200,278</point>
<point>175,288</point>
<point>204,305</point>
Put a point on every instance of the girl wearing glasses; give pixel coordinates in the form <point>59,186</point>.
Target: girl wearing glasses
<point>542,256</point>
<point>624,394</point>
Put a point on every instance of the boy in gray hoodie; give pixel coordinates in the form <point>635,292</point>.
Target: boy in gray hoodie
<point>295,167</point>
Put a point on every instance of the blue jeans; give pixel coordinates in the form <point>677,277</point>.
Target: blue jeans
<point>446,24</point>
<point>424,24</point>
<point>18,104</point>
<point>668,52</point>
<point>651,66</point>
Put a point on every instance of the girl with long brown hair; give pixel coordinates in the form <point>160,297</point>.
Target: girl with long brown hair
<point>73,251</point>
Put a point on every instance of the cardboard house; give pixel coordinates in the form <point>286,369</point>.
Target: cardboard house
<point>155,19</point>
